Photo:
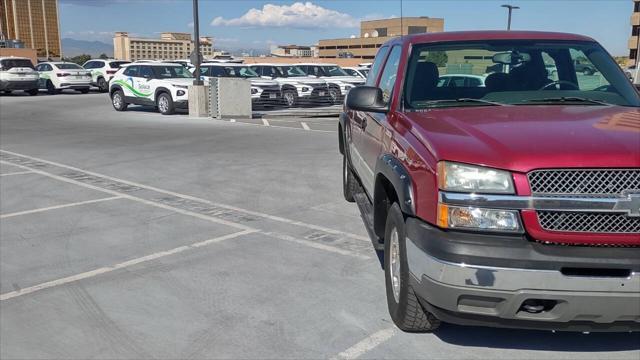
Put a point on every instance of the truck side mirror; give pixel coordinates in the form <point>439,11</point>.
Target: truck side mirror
<point>366,98</point>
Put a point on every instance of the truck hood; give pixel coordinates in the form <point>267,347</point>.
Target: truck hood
<point>522,138</point>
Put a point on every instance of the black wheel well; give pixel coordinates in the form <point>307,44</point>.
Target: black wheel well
<point>114,89</point>
<point>161,91</point>
<point>289,88</point>
<point>384,195</point>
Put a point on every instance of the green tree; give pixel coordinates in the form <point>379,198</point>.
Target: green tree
<point>104,56</point>
<point>79,59</point>
<point>439,58</point>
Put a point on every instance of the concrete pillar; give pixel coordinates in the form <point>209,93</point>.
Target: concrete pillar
<point>198,101</point>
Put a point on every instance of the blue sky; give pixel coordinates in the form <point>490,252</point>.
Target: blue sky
<point>257,24</point>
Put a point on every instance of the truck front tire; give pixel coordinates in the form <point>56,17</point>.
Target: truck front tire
<point>404,308</point>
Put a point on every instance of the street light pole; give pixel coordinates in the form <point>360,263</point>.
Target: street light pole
<point>196,30</point>
<point>511,8</point>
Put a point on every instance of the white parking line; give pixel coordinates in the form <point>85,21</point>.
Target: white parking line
<point>305,126</point>
<point>366,344</point>
<point>265,122</point>
<point>108,269</point>
<point>232,120</point>
<point>188,197</point>
<point>315,245</point>
<point>17,173</point>
<point>134,198</point>
<point>4,216</point>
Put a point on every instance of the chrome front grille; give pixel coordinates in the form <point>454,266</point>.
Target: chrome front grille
<point>583,181</point>
<point>589,222</point>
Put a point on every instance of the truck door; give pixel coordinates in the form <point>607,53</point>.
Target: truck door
<point>373,124</point>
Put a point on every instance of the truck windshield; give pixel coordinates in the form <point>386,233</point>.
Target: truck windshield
<point>515,72</point>
<point>8,64</point>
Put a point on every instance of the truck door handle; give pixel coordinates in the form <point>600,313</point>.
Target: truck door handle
<point>363,125</point>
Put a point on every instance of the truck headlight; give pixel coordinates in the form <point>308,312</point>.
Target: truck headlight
<point>468,178</point>
<point>471,218</point>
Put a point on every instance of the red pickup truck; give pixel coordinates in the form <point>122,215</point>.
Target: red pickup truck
<point>499,184</point>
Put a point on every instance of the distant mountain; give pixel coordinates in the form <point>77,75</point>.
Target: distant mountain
<point>73,47</point>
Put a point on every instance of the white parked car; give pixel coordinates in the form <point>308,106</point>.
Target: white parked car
<point>102,71</point>
<point>17,73</point>
<point>163,85</point>
<point>461,80</point>
<point>58,76</point>
<point>297,88</point>
<point>264,92</point>
<point>362,72</point>
<point>339,81</point>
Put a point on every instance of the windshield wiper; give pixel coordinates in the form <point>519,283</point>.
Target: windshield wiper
<point>463,100</point>
<point>563,99</point>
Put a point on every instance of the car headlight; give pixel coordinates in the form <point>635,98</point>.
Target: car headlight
<point>180,92</point>
<point>473,179</point>
<point>471,218</point>
<point>305,89</point>
<point>254,91</point>
<point>348,86</point>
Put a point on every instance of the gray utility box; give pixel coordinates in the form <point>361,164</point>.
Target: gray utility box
<point>229,97</point>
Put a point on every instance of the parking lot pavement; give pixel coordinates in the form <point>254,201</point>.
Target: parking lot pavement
<point>137,235</point>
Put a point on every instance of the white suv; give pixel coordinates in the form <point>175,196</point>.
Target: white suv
<point>339,81</point>
<point>297,87</point>
<point>17,73</point>
<point>163,85</point>
<point>57,76</point>
<point>102,70</point>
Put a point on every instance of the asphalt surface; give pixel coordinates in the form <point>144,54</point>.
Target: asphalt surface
<point>137,235</point>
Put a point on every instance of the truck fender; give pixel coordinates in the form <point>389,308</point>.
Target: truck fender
<point>395,172</point>
<point>342,135</point>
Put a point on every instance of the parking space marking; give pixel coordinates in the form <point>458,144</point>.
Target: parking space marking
<point>304,125</point>
<point>183,196</point>
<point>17,173</point>
<point>26,212</point>
<point>122,265</point>
<point>265,122</point>
<point>135,198</point>
<point>315,245</point>
<point>367,344</point>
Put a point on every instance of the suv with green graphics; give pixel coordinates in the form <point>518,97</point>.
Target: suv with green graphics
<point>163,85</point>
<point>102,71</point>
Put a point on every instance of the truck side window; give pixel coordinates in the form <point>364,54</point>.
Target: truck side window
<point>377,63</point>
<point>388,78</point>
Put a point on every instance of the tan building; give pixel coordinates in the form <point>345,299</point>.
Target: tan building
<point>291,51</point>
<point>170,46</point>
<point>35,23</point>
<point>634,40</point>
<point>374,33</point>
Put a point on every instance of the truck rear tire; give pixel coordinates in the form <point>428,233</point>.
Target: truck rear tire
<point>404,307</point>
<point>348,180</point>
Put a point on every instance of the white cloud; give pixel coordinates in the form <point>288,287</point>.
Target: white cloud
<point>297,15</point>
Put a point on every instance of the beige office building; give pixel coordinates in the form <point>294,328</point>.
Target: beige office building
<point>634,40</point>
<point>374,33</point>
<point>170,46</point>
<point>35,23</point>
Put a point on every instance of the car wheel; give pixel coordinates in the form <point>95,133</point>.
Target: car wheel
<point>349,186</point>
<point>103,85</point>
<point>334,95</point>
<point>33,92</point>
<point>290,98</point>
<point>6,92</point>
<point>51,89</point>
<point>117,100</point>
<point>404,307</point>
<point>84,91</point>
<point>165,104</point>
